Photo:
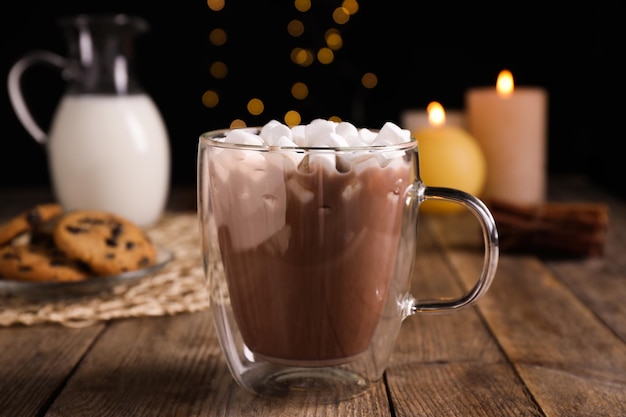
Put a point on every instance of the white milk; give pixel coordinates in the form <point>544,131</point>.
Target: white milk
<point>110,153</point>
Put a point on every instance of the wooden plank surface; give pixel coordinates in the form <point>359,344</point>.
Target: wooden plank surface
<point>569,360</point>
<point>447,364</point>
<point>599,282</point>
<point>172,366</point>
<point>35,363</point>
<point>548,339</point>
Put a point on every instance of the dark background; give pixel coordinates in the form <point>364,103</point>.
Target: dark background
<point>421,52</point>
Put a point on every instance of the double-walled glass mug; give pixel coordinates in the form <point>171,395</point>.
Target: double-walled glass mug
<point>308,251</point>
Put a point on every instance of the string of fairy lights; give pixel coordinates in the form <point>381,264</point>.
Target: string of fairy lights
<point>303,55</point>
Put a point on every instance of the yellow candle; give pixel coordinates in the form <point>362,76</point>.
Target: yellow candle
<point>449,157</point>
<point>509,123</point>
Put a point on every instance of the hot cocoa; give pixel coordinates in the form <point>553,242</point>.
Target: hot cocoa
<point>309,247</point>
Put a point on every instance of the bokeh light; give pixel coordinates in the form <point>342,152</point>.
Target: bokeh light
<point>369,80</point>
<point>292,118</point>
<point>215,5</point>
<point>352,6</point>
<point>210,98</point>
<point>325,56</point>
<point>302,5</point>
<point>255,106</point>
<point>341,15</point>
<point>302,57</point>
<point>333,39</point>
<point>299,91</point>
<point>218,37</point>
<point>219,70</point>
<point>237,123</point>
<point>295,28</point>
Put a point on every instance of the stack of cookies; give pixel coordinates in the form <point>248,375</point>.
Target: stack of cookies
<point>46,244</point>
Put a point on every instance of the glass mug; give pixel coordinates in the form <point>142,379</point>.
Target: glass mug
<point>309,268</point>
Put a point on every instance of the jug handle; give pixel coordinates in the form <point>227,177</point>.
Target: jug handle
<point>15,89</point>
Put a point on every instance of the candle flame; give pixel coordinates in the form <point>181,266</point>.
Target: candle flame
<point>436,114</point>
<point>504,84</point>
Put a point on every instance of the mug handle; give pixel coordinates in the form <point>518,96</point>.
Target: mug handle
<point>490,236</point>
<point>15,89</point>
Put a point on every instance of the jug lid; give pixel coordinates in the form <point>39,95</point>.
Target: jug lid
<point>105,21</point>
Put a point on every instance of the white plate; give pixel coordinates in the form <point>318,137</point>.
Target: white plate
<point>90,286</point>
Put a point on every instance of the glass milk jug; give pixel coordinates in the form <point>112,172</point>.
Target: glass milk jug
<point>107,147</point>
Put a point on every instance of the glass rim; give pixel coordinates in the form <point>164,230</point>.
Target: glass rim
<point>209,138</point>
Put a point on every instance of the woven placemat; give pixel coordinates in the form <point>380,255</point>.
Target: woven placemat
<point>177,288</point>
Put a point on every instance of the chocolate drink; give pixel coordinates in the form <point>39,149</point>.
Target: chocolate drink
<point>308,268</point>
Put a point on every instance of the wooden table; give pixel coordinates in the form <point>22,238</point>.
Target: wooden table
<point>548,339</point>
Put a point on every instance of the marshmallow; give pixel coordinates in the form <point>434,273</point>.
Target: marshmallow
<point>275,133</point>
<point>317,161</point>
<point>318,131</point>
<point>330,140</point>
<point>392,134</point>
<point>243,137</point>
<point>253,191</point>
<point>299,134</point>
<point>348,131</point>
<point>367,136</point>
<point>283,141</point>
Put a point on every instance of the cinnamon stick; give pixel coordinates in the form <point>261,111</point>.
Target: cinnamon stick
<point>552,229</point>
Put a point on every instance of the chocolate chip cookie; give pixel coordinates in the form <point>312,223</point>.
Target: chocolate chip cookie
<point>108,243</point>
<point>29,221</point>
<point>39,263</point>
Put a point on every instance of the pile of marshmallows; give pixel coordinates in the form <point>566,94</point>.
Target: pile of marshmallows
<point>319,133</point>
<point>253,187</point>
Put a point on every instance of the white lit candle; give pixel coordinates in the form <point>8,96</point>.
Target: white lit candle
<point>414,119</point>
<point>510,125</point>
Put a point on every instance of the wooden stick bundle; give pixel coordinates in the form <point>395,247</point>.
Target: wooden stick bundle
<point>552,229</point>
